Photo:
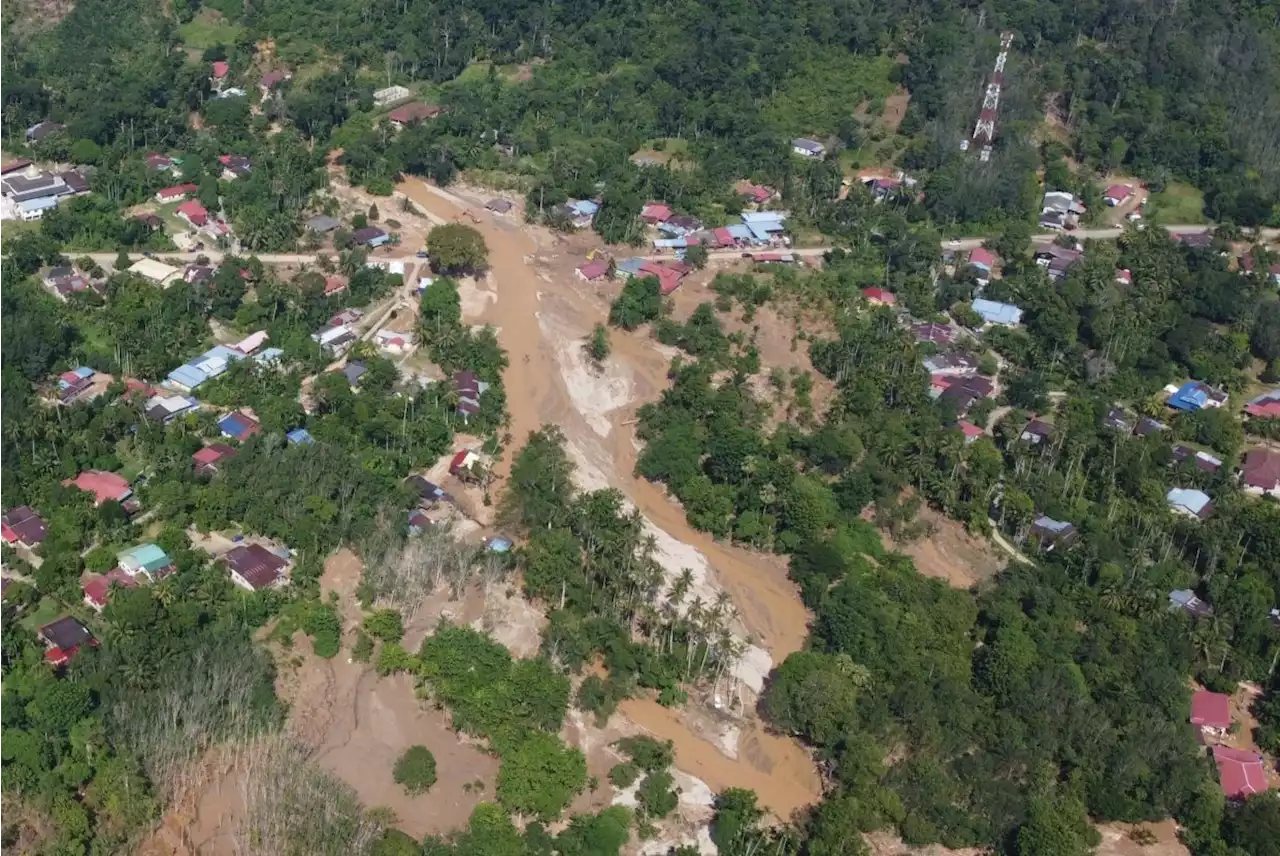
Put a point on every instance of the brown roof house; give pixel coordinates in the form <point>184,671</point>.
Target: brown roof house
<point>253,567</point>
<point>411,113</point>
<point>1260,473</point>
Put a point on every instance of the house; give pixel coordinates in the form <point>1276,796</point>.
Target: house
<point>463,463</point>
<point>994,312</point>
<point>581,212</point>
<point>680,225</point>
<point>1240,772</point>
<point>336,338</point>
<point>98,587</point>
<point>166,408</point>
<point>963,393</point>
<point>219,72</point>
<point>1118,419</point>
<point>197,274</point>
<point>72,384</point>
<point>1189,502</point>
<point>353,371</point>
<point>395,342</point>
<point>151,221</point>
<point>1203,461</point>
<point>764,225</point>
<point>300,437</point>
<point>669,275</point>
<point>756,193</point>
<point>1147,426</point>
<point>252,342</point>
<point>269,357</point>
<point>158,162</point>
<point>882,188</point>
<point>207,459</point>
<point>146,560</point>
<point>1186,600</point>
<point>334,284</point>
<point>370,236</point>
<point>429,493</point>
<point>1265,406</point>
<point>984,260</point>
<point>390,95</point>
<point>239,425</point>
<point>272,80</point>
<point>773,258</point>
<point>951,364</point>
<point>593,270</point>
<point>1116,194</point>
<point>500,206</point>
<point>34,209</point>
<point>879,296</point>
<point>253,567</point>
<point>1260,472</point>
<point>1194,395</point>
<point>210,364</point>
<point>322,223</point>
<point>1211,712</point>
<point>193,212</point>
<point>77,184</point>
<point>32,185</point>
<point>1062,203</point>
<point>1036,432</point>
<point>176,192</point>
<point>10,167</point>
<point>418,522</point>
<point>234,166</point>
<point>468,388</point>
<point>1051,534</point>
<point>654,213</point>
<point>937,334</point>
<point>42,131</point>
<point>970,431</point>
<point>23,527</point>
<point>63,638</point>
<point>346,316</point>
<point>1124,276</point>
<point>1196,240</point>
<point>103,485</point>
<point>411,113</point>
<point>808,148</point>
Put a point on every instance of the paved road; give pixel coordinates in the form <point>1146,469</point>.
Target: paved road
<point>107,259</point>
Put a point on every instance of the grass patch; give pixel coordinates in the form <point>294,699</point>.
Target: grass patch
<point>1178,204</point>
<point>209,29</point>
<point>46,610</point>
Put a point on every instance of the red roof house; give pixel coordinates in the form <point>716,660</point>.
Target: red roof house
<point>981,257</point>
<point>1265,406</point>
<point>1116,193</point>
<point>879,296</point>
<point>207,459</point>
<point>221,70</point>
<point>669,276</point>
<point>103,485</point>
<point>1211,711</point>
<point>1260,472</point>
<point>1240,772</point>
<point>193,212</point>
<point>334,285</point>
<point>178,191</point>
<point>22,526</point>
<point>417,112</point>
<point>655,212</point>
<point>97,591</point>
<point>970,431</point>
<point>593,270</point>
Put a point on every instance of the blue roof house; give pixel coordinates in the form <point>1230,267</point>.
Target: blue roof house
<point>300,437</point>
<point>994,312</point>
<point>739,231</point>
<point>1194,395</point>
<point>770,221</point>
<point>1189,501</point>
<point>629,267</point>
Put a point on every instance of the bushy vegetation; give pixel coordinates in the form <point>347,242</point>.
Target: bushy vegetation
<point>415,769</point>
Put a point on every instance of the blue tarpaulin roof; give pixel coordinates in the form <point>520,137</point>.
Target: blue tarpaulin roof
<point>300,436</point>
<point>584,207</point>
<point>1190,396</point>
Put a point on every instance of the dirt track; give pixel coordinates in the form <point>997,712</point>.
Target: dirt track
<point>540,312</point>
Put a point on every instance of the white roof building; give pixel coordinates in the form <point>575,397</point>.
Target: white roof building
<point>156,271</point>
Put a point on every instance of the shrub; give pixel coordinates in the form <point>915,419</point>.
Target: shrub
<point>416,769</point>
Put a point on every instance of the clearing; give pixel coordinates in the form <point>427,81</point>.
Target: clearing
<point>949,553</point>
<point>1177,205</point>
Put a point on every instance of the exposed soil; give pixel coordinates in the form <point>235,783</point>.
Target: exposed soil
<point>1118,839</point>
<point>950,553</point>
<point>532,273</point>
<point>895,110</point>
